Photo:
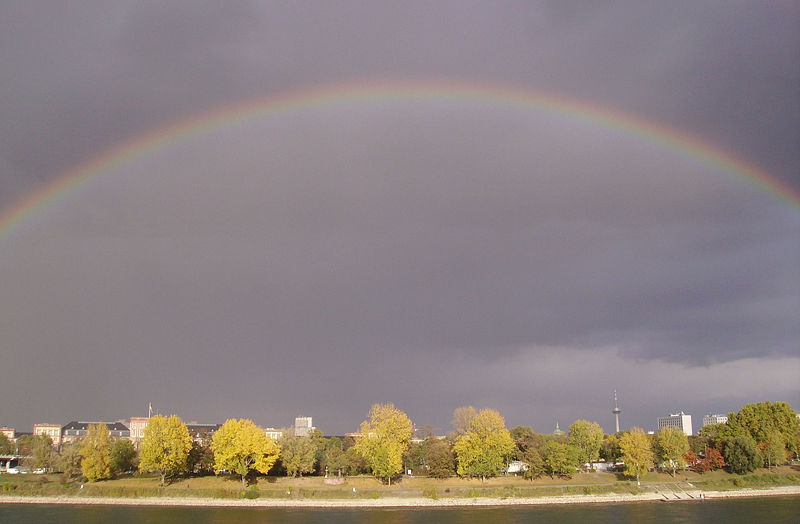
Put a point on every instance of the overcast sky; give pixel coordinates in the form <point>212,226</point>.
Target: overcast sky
<point>432,252</point>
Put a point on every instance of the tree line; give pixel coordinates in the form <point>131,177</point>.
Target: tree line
<point>763,434</point>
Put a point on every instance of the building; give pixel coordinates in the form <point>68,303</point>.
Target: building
<point>136,427</point>
<point>75,430</point>
<point>202,433</point>
<point>676,420</point>
<point>51,430</point>
<point>10,433</point>
<point>716,418</point>
<point>303,426</point>
<point>273,433</point>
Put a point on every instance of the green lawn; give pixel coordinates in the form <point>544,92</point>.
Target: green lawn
<point>368,487</point>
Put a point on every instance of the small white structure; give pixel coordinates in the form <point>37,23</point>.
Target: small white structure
<point>676,420</point>
<point>517,466</point>
<point>274,434</point>
<point>716,418</point>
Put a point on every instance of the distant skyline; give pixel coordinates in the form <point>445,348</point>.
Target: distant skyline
<point>434,247</point>
<point>697,420</point>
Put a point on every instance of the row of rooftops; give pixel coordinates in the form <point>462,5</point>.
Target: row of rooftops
<point>120,428</point>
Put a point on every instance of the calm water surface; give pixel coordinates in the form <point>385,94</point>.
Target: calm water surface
<point>770,509</point>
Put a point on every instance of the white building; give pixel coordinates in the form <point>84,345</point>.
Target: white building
<point>274,434</point>
<point>676,420</point>
<point>51,430</point>
<point>715,418</point>
<point>302,426</point>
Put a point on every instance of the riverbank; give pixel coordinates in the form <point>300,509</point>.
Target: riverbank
<point>660,495</point>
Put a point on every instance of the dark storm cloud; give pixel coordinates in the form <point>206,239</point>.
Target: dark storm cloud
<point>402,251</point>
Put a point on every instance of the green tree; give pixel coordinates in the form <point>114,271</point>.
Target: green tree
<point>773,450</point>
<point>637,453</point>
<point>698,444</point>
<point>384,439</point>
<point>536,467</point>
<point>298,454</point>
<point>96,453</point>
<point>741,454</point>
<point>68,460</point>
<point>24,444</point>
<point>761,419</point>
<point>356,463</point>
<point>165,446</point>
<point>43,455</point>
<point>241,446</point>
<point>560,459</point>
<point>6,446</point>
<point>336,460</point>
<point>123,456</point>
<point>671,445</point>
<point>587,438</point>
<point>610,450</point>
<point>438,457</point>
<point>481,451</point>
<point>201,457</point>
<point>412,459</point>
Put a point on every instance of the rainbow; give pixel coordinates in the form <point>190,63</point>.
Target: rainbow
<point>307,99</point>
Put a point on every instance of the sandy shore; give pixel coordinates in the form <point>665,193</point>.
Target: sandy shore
<point>389,502</point>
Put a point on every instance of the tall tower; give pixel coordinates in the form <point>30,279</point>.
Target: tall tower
<point>616,411</point>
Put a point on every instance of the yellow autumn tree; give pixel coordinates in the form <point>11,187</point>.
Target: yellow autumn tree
<point>384,439</point>
<point>241,446</point>
<point>483,446</point>
<point>96,453</point>
<point>165,446</point>
<point>637,452</point>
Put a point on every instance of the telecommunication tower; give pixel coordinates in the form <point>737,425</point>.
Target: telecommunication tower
<point>616,411</point>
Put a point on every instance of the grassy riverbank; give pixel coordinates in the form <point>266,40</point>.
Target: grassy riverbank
<point>367,488</point>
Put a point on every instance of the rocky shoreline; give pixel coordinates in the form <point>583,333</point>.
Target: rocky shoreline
<point>389,502</point>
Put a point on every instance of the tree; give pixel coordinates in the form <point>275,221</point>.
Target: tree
<point>761,419</point>
<point>201,457</point>
<point>536,467</point>
<point>560,459</point>
<point>298,454</point>
<point>123,456</point>
<point>698,444</point>
<point>43,456</point>
<point>24,444</point>
<point>694,462</point>
<point>356,464</point>
<point>241,446</point>
<point>165,446</point>
<point>610,450</point>
<point>714,459</point>
<point>741,454</point>
<point>438,456</point>
<point>69,460</point>
<point>6,446</point>
<point>335,460</point>
<point>413,459</point>
<point>671,446</point>
<point>481,451</point>
<point>384,439</point>
<point>462,418</point>
<point>637,453</point>
<point>586,437</point>
<point>773,450</point>
<point>96,453</point>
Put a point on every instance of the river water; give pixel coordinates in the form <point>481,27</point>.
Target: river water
<point>744,510</point>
